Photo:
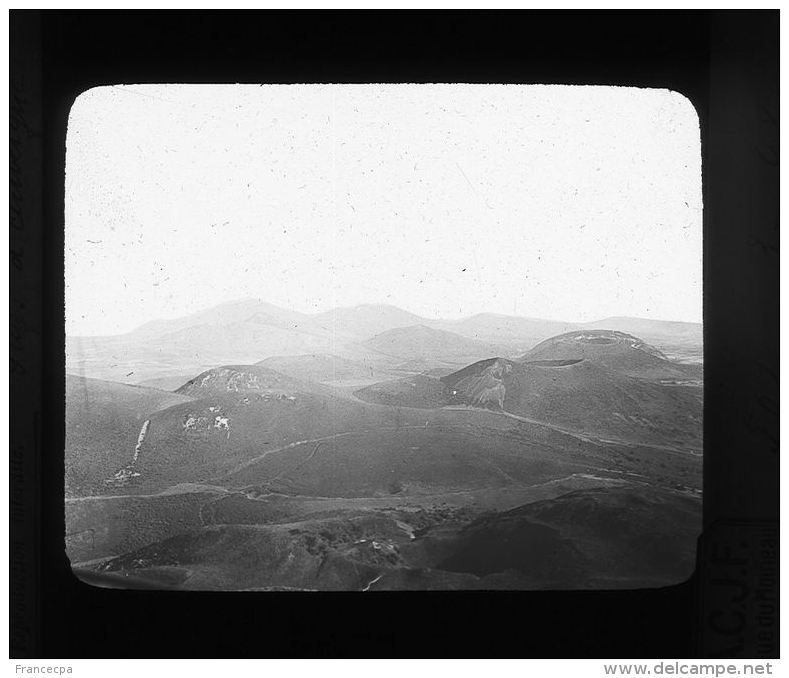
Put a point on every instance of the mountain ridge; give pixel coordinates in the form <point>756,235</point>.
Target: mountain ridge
<point>147,327</point>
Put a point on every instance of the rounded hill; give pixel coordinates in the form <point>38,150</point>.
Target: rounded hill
<point>581,395</point>
<point>616,350</point>
<point>591,344</point>
<point>418,390</point>
<point>231,379</point>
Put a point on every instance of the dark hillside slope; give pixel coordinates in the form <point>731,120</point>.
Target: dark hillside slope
<point>103,424</point>
<point>618,537</point>
<point>205,439</point>
<point>621,536</point>
<point>398,460</point>
<point>419,390</point>
<point>583,396</point>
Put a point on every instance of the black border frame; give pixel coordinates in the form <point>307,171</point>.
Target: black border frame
<point>725,62</point>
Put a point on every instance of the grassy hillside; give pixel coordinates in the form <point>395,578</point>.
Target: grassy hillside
<point>103,423</point>
<point>472,500</point>
<point>585,397</point>
<point>419,390</point>
<point>615,537</point>
<point>589,394</point>
<point>326,555</point>
<point>111,526</point>
<point>207,438</point>
<point>621,536</point>
<point>411,459</point>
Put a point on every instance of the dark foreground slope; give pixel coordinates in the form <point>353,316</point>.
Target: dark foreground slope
<point>618,537</point>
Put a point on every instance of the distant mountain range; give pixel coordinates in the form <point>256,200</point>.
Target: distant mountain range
<point>251,330</point>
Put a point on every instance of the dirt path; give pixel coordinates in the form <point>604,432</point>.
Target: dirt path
<point>367,588</point>
<point>185,488</point>
<point>585,437</point>
<point>594,440</point>
<point>308,441</point>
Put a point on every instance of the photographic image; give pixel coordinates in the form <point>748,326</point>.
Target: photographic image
<point>380,337</point>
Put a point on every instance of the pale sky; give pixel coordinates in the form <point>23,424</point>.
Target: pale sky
<point>567,203</point>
